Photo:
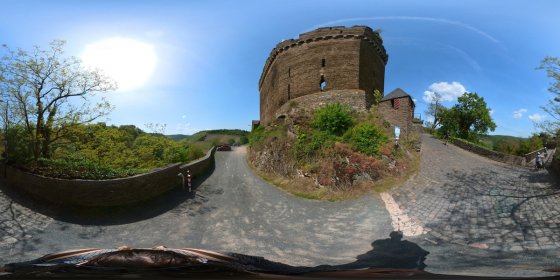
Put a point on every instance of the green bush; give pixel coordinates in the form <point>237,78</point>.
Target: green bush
<point>309,143</point>
<point>365,138</point>
<point>121,148</point>
<point>78,169</point>
<point>531,144</point>
<point>333,118</point>
<point>18,145</point>
<point>257,135</point>
<point>243,140</point>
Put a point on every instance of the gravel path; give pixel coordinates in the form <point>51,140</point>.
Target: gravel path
<point>232,210</point>
<point>462,198</point>
<point>478,216</point>
<point>475,216</point>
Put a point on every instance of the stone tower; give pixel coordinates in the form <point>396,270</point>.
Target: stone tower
<point>328,59</point>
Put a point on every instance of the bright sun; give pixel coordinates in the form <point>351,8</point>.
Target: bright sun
<point>129,62</point>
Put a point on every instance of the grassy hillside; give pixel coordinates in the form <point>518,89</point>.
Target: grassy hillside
<point>178,137</point>
<point>494,138</point>
<point>220,136</point>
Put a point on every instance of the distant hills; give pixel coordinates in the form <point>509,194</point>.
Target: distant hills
<point>206,135</point>
<point>178,137</point>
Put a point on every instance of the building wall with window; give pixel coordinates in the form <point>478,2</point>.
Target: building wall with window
<point>398,112</point>
<point>326,59</point>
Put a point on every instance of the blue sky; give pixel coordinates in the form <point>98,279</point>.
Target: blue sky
<point>210,54</point>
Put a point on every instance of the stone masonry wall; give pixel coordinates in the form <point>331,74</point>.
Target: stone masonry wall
<point>493,155</point>
<point>304,106</point>
<point>346,58</point>
<point>114,192</point>
<point>401,117</point>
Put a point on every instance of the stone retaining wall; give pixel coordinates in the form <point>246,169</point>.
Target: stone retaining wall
<point>113,192</point>
<point>532,155</point>
<point>493,155</point>
<point>555,167</point>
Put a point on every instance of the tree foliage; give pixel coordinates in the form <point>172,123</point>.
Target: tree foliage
<point>98,151</point>
<point>520,146</point>
<point>40,87</point>
<point>468,118</point>
<point>125,146</point>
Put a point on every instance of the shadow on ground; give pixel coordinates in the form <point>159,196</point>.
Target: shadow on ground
<point>109,215</point>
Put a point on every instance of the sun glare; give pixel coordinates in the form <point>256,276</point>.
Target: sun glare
<point>129,62</point>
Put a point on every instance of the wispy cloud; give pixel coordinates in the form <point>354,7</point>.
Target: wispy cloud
<point>447,91</point>
<point>427,19</point>
<point>536,117</point>
<point>519,113</point>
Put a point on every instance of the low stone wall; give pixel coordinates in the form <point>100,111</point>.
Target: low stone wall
<point>533,155</point>
<point>113,192</point>
<point>307,104</point>
<point>493,155</point>
<point>555,167</point>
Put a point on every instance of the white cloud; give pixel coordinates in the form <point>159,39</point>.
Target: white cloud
<point>491,112</point>
<point>536,117</point>
<point>448,91</point>
<point>415,100</point>
<point>519,113</point>
<point>183,116</point>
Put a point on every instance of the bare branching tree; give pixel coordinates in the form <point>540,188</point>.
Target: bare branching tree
<point>552,67</point>
<point>435,109</point>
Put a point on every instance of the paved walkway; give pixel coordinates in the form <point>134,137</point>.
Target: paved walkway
<point>462,198</point>
<point>475,216</point>
<point>232,210</point>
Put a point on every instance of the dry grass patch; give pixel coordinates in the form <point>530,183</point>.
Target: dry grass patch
<point>306,188</point>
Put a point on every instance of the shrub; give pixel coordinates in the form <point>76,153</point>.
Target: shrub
<point>77,169</point>
<point>333,118</point>
<point>256,135</point>
<point>365,138</point>
<point>308,144</point>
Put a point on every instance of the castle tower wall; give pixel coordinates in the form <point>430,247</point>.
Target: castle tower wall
<point>332,58</point>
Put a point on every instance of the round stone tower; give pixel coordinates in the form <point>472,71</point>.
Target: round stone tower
<point>323,60</point>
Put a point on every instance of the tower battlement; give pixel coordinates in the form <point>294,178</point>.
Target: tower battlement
<point>328,58</point>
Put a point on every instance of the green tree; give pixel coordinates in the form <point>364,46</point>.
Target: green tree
<point>468,118</point>
<point>531,144</point>
<point>508,146</point>
<point>333,118</point>
<point>552,67</point>
<point>39,87</point>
